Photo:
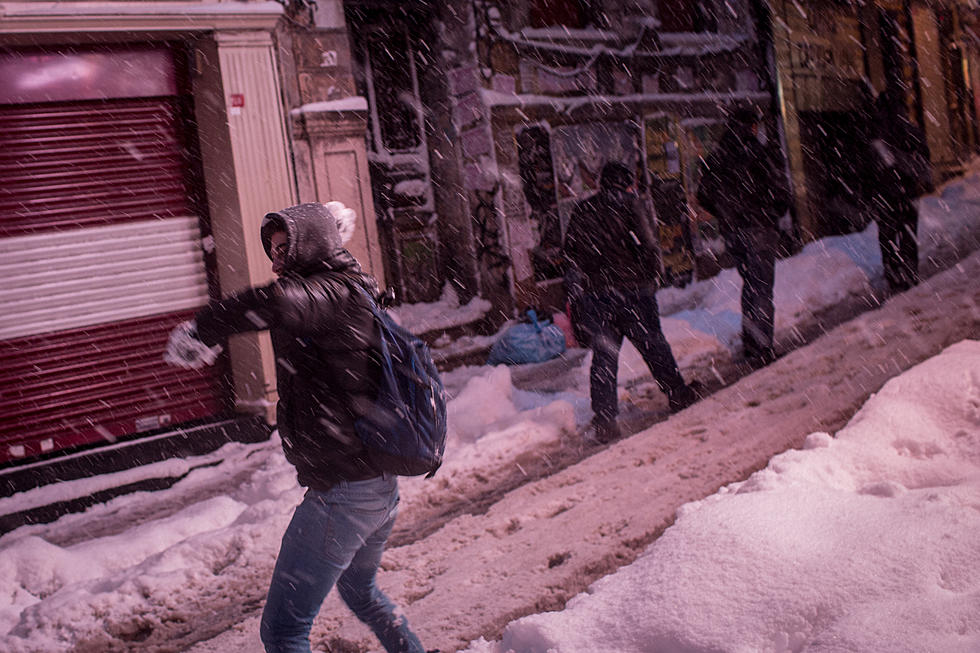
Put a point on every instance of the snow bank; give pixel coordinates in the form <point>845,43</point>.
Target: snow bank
<point>862,542</point>
<point>443,314</point>
<point>704,320</point>
<point>59,596</point>
<point>768,565</point>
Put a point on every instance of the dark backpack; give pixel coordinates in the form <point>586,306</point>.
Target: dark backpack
<point>405,431</point>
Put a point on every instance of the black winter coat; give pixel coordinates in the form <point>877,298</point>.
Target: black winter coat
<point>610,242</point>
<point>899,163</point>
<point>325,341</point>
<point>744,185</point>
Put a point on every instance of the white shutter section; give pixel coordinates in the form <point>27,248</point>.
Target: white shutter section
<point>100,256</point>
<point>58,280</point>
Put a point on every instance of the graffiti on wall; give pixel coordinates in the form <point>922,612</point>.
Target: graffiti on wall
<point>580,151</point>
<point>668,194</point>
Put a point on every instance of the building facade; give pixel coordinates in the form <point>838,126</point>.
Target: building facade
<point>833,58</point>
<point>488,120</point>
<point>144,141</point>
<point>142,144</point>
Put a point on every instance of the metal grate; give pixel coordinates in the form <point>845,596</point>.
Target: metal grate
<point>100,256</point>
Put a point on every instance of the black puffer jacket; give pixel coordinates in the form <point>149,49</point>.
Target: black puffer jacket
<point>744,184</point>
<point>611,242</point>
<point>899,166</point>
<point>325,341</point>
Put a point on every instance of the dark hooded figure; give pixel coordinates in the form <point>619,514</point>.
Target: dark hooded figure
<point>327,373</point>
<point>613,261</point>
<point>745,187</point>
<point>900,171</point>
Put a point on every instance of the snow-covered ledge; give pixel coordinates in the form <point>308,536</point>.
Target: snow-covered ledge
<point>20,17</point>
<point>498,101</point>
<point>353,103</point>
<point>345,116</point>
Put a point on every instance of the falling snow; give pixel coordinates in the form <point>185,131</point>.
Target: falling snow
<point>866,459</point>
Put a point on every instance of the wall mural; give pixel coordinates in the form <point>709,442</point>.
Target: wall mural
<point>578,154</point>
<point>663,161</point>
<point>561,166</point>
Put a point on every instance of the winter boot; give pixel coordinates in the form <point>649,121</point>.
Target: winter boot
<point>606,431</point>
<point>761,358</point>
<point>684,396</point>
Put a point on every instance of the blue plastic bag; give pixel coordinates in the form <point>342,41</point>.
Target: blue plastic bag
<point>533,342</point>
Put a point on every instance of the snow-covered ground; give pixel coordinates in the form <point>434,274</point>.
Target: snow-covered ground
<point>860,536</point>
<point>866,540</point>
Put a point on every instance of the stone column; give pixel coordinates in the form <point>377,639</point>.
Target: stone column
<point>248,173</point>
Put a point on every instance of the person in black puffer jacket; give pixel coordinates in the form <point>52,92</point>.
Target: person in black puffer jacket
<point>745,187</point>
<point>325,342</point>
<point>328,370</point>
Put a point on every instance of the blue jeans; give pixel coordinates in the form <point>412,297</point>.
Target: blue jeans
<point>608,317</point>
<point>335,537</point>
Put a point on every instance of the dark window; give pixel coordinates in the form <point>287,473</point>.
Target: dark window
<point>547,13</point>
<point>574,14</point>
<point>833,141</point>
<point>538,177</point>
<point>392,78</point>
<point>686,16</point>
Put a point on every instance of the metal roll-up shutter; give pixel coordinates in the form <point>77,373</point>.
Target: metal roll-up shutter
<point>100,256</point>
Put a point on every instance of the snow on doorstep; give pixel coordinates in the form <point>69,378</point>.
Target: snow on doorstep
<point>443,314</point>
<point>353,103</point>
<point>866,541</point>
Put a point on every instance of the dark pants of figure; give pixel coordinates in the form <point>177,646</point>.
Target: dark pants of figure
<point>574,291</point>
<point>899,245</point>
<point>754,251</point>
<point>335,537</point>
<point>608,317</point>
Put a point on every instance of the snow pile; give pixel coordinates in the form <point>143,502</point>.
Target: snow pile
<point>767,565</point>
<point>703,320</point>
<point>485,399</point>
<point>825,273</point>
<point>443,314</point>
<point>59,596</point>
<point>491,423</point>
<point>862,542</point>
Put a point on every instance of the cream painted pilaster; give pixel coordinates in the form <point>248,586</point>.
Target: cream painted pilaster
<point>262,177</point>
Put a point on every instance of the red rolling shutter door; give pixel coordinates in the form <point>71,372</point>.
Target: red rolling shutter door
<point>100,256</point>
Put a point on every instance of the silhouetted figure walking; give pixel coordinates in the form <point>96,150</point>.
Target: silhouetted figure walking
<point>745,187</point>
<point>614,262</point>
<point>900,171</point>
